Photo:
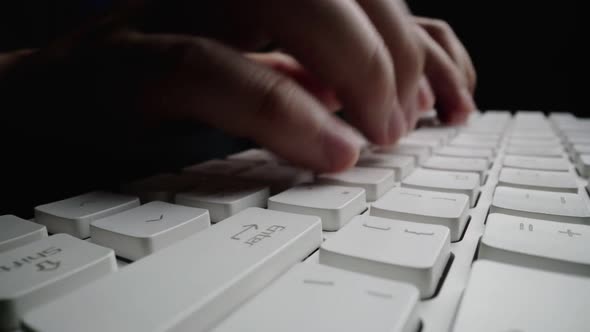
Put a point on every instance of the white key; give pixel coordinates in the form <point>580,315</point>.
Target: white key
<point>420,153</point>
<point>161,187</point>
<point>579,149</point>
<point>539,180</point>
<point>428,207</point>
<point>501,297</point>
<point>311,298</point>
<point>538,163</point>
<point>375,181</point>
<point>256,155</point>
<point>583,165</point>
<point>192,284</point>
<point>540,135</point>
<point>391,249</point>
<point>144,230</point>
<point>221,167</point>
<point>74,215</point>
<point>451,151</point>
<point>16,232</point>
<point>335,205</point>
<point>532,143</point>
<point>40,272</point>
<point>563,207</point>
<point>535,243</point>
<point>443,181</point>
<point>441,139</point>
<point>471,165</point>
<point>429,143</point>
<point>402,165</point>
<point>535,151</point>
<point>279,178</point>
<point>223,199</point>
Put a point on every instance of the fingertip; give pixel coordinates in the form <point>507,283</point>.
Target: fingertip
<point>341,147</point>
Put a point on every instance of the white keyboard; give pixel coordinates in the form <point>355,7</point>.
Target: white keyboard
<point>480,227</point>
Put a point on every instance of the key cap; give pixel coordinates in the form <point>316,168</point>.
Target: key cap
<point>144,230</point>
<point>563,207</point>
<point>317,292</point>
<point>428,207</point>
<point>228,167</point>
<point>74,215</point>
<point>471,165</point>
<point>375,181</point>
<point>535,151</point>
<point>450,151</point>
<point>538,244</point>
<point>540,135</point>
<point>335,205</point>
<point>256,155</point>
<point>538,180</point>
<point>391,249</point>
<point>278,178</point>
<point>443,181</point>
<point>501,297</point>
<point>402,165</point>
<point>161,187</point>
<point>224,198</point>
<point>537,163</point>
<point>531,143</point>
<point>429,143</point>
<point>192,284</point>
<point>419,153</point>
<point>579,149</point>
<point>42,271</point>
<point>583,165</point>
<point>16,232</point>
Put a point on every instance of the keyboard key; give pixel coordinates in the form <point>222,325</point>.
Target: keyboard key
<point>538,163</point>
<point>144,230</point>
<point>583,165</point>
<point>430,143</point>
<point>392,249</point>
<point>450,151</point>
<point>443,181</point>
<point>535,243</point>
<point>278,178</point>
<point>192,284</point>
<point>472,165</point>
<point>419,153</point>
<point>402,165</point>
<point>335,205</point>
<point>315,296</point>
<point>375,181</point>
<point>16,232</point>
<point>563,207</point>
<point>535,151</point>
<point>501,297</point>
<point>538,180</point>
<point>74,215</point>
<point>579,149</point>
<point>255,155</point>
<point>161,187</point>
<point>429,207</point>
<point>224,198</point>
<point>533,143</point>
<point>37,273</point>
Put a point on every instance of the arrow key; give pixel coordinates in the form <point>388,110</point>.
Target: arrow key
<point>141,231</point>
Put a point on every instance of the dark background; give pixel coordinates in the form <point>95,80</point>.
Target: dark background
<point>528,55</point>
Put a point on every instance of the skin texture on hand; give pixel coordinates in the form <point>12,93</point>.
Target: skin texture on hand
<point>197,61</point>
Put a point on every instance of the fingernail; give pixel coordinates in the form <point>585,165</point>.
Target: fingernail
<point>341,146</point>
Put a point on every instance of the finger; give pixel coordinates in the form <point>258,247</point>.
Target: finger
<point>444,35</point>
<point>202,80</point>
<point>453,98</point>
<point>425,96</point>
<point>336,41</point>
<point>288,66</point>
<point>397,29</point>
